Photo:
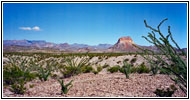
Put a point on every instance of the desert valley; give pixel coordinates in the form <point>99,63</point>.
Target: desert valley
<point>95,50</point>
<point>101,73</point>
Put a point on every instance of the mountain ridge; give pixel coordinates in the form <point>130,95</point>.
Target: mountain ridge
<point>124,44</point>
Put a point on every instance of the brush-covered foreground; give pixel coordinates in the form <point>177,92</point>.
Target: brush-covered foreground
<point>93,75</point>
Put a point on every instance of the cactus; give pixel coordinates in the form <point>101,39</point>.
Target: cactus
<point>64,88</point>
<point>43,74</point>
<point>126,69</point>
<point>176,68</point>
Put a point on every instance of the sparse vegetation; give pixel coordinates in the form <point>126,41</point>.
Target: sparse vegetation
<point>87,69</point>
<point>126,69</point>
<point>177,72</point>
<point>133,60</point>
<point>95,72</point>
<point>126,60</point>
<point>165,93</point>
<point>18,87</point>
<point>74,66</point>
<point>43,74</point>
<point>16,78</point>
<point>113,69</point>
<point>105,66</point>
<point>65,88</point>
<point>142,69</point>
<point>64,67</point>
<point>118,62</point>
<point>99,68</point>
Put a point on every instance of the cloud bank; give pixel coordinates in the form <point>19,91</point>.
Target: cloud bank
<point>35,28</point>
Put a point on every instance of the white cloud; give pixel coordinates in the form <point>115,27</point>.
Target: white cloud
<point>35,28</point>
<point>25,28</point>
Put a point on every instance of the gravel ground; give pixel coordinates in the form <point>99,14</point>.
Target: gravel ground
<point>100,85</point>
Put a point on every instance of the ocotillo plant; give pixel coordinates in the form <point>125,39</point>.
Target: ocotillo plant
<point>175,67</point>
<point>65,88</point>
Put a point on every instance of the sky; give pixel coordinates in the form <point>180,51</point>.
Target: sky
<point>92,23</point>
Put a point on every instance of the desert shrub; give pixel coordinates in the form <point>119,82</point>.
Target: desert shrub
<point>16,78</point>
<point>118,62</point>
<point>178,72</point>
<point>135,55</point>
<point>133,60</point>
<point>12,73</point>
<point>74,67</point>
<point>126,60</point>
<point>31,85</point>
<point>105,66</point>
<point>43,74</point>
<point>18,87</point>
<point>142,68</point>
<point>99,57</point>
<point>54,76</point>
<point>87,69</point>
<point>114,69</point>
<point>126,69</point>
<point>99,68</point>
<point>65,88</point>
<point>134,69</point>
<point>165,93</point>
<point>95,71</point>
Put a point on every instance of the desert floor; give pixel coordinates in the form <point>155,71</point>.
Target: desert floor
<point>104,84</point>
<point>100,85</point>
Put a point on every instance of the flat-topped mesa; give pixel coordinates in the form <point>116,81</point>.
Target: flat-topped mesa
<point>124,44</point>
<point>125,40</point>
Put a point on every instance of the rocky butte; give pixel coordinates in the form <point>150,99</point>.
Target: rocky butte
<point>124,44</point>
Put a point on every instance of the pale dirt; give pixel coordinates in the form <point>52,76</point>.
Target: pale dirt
<point>101,85</point>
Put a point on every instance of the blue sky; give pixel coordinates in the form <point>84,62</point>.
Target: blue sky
<point>92,23</point>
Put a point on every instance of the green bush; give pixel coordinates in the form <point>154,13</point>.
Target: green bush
<point>99,68</point>
<point>133,60</point>
<point>12,74</point>
<point>142,69</point>
<point>114,69</point>
<point>95,71</point>
<point>134,69</point>
<point>16,78</point>
<point>74,67</point>
<point>18,87</point>
<point>126,60</point>
<point>87,69</point>
<point>105,66</point>
<point>118,62</point>
<point>43,74</point>
<point>126,69</point>
<point>165,93</point>
<point>65,88</point>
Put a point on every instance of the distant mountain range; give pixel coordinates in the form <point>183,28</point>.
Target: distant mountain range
<point>124,44</point>
<point>28,45</point>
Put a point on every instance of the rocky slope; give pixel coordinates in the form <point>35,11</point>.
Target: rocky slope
<point>124,44</point>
